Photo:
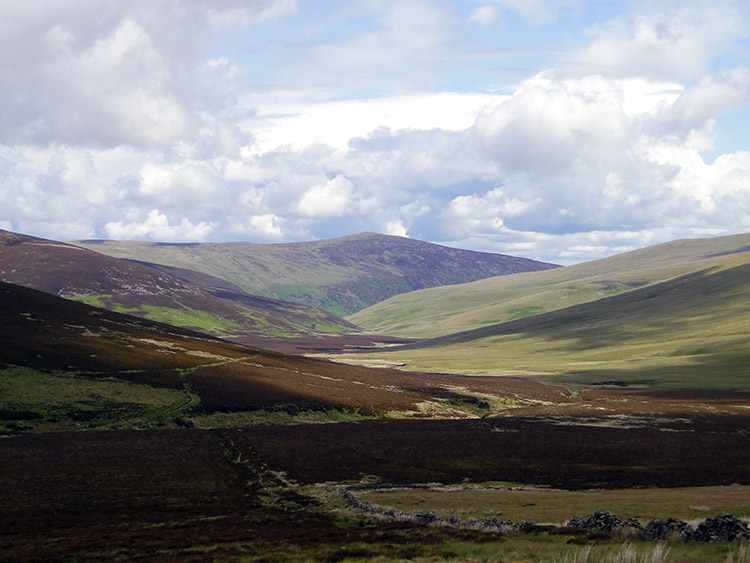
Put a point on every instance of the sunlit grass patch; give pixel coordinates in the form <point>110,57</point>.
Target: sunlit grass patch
<point>546,505</point>
<point>31,399</point>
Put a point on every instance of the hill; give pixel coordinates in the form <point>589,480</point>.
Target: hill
<point>66,365</point>
<point>440,311</point>
<point>341,275</point>
<point>689,332</point>
<point>175,296</point>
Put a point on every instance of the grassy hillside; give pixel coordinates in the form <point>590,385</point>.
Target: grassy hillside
<point>174,296</point>
<point>341,275</point>
<point>692,331</point>
<point>439,311</point>
<point>66,365</point>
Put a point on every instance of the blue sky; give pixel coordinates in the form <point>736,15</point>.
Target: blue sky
<point>559,130</point>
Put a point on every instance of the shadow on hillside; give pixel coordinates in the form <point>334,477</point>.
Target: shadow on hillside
<point>653,313</point>
<point>722,372</point>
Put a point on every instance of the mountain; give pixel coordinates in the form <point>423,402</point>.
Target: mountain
<point>341,275</point>
<point>68,365</point>
<point>445,310</point>
<point>175,296</point>
<point>689,332</point>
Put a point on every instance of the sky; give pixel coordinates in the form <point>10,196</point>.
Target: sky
<point>560,130</point>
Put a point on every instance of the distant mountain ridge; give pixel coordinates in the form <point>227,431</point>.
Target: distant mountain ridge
<point>340,275</point>
<point>179,297</point>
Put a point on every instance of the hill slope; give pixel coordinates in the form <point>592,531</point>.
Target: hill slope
<point>66,365</point>
<point>340,275</point>
<point>440,311</point>
<point>692,331</point>
<point>176,296</point>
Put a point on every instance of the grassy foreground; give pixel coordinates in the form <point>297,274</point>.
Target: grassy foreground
<point>544,505</point>
<point>192,495</point>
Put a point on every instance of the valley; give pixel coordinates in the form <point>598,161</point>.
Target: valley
<point>414,430</point>
<point>340,275</point>
<point>687,331</point>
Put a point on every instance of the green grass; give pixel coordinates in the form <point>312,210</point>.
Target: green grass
<point>185,316</point>
<point>180,315</point>
<point>450,309</point>
<point>557,507</point>
<point>294,321</point>
<point>527,311</point>
<point>692,332</point>
<point>40,401</point>
<point>101,301</point>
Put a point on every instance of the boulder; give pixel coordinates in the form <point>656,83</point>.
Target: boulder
<point>723,527</point>
<point>601,521</point>
<point>667,529</point>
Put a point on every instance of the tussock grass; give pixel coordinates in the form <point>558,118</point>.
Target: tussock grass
<point>739,554</point>
<point>627,553</point>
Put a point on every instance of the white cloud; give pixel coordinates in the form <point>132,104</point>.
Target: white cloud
<point>157,227</point>
<point>135,119</point>
<point>675,43</point>
<point>396,228</point>
<point>268,225</point>
<point>106,73</point>
<point>711,97</point>
<point>330,199</point>
<point>187,185</point>
<point>486,213</point>
<point>297,124</point>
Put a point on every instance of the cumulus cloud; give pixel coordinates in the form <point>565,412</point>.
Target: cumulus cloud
<point>297,124</point>
<point>396,228</point>
<point>330,199</point>
<point>268,224</point>
<point>156,227</point>
<point>192,121</point>
<point>105,73</point>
